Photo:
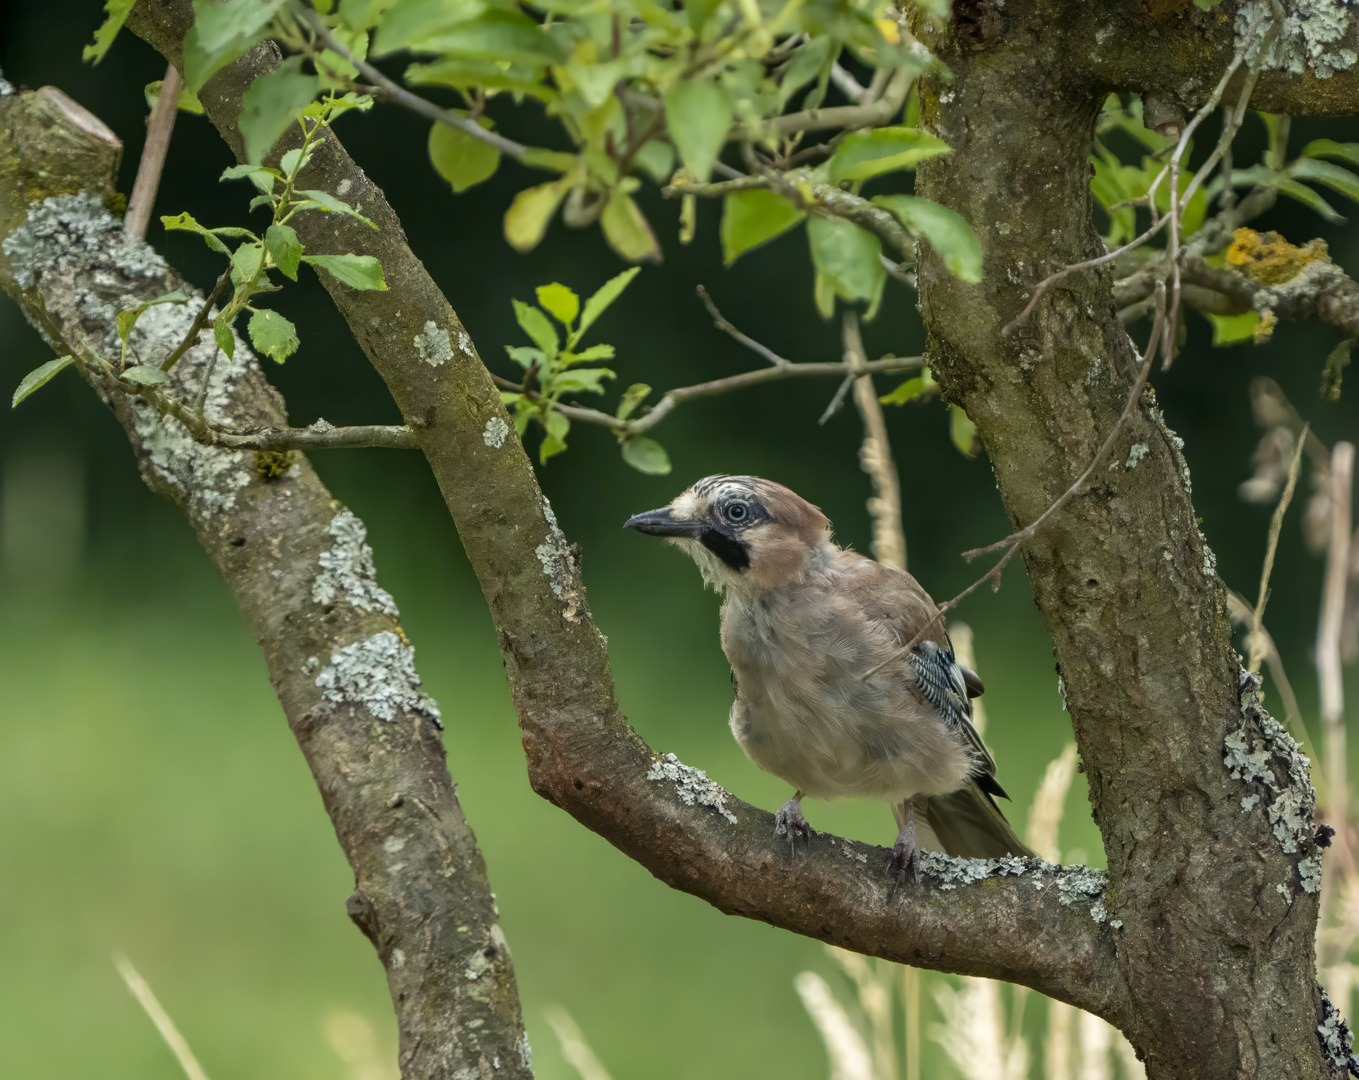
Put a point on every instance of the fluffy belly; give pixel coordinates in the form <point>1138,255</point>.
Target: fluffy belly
<point>870,757</point>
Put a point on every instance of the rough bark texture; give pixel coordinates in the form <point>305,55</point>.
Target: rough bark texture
<point>1201,950</point>
<point>302,574</point>
<point>1218,914</point>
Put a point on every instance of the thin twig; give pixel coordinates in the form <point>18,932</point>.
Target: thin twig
<point>399,95</point>
<point>199,321</point>
<point>158,129</point>
<point>870,114</point>
<point>875,456</point>
<point>727,328</point>
<point>1240,611</point>
<point>1275,527</point>
<point>178,1045</point>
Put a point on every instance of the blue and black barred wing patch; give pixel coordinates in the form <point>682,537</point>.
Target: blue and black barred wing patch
<point>941,680</point>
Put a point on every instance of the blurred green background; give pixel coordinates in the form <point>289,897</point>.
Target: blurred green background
<point>153,801</point>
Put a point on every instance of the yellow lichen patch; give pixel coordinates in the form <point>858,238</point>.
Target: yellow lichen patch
<point>271,464</point>
<point>1269,258</point>
<point>1264,329</point>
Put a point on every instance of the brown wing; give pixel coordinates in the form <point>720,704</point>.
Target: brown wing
<point>895,599</point>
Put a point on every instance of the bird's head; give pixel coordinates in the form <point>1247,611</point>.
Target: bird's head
<point>742,531</point>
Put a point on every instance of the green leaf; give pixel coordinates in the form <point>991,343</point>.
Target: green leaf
<point>220,25</point>
<point>40,376</point>
<point>627,230</point>
<point>272,103</point>
<point>1206,5</point>
<point>293,162</point>
<point>910,389</point>
<point>262,178</point>
<point>698,116</point>
<point>526,357</point>
<point>226,340</point>
<point>188,101</point>
<point>323,200</point>
<point>849,257</point>
<point>605,295</point>
<point>462,159</point>
<point>582,379</point>
<point>535,324</point>
<point>1334,371</point>
<point>528,216</point>
<point>963,432</point>
<point>550,159</point>
<point>273,335</point>
<point>809,60</point>
<point>284,248</point>
<point>1309,199</point>
<point>356,271</point>
<point>557,426</point>
<point>657,159</point>
<point>698,12</point>
<point>186,222</point>
<point>128,319</point>
<point>103,37</point>
<point>1323,172</point>
<point>1329,148</point>
<point>882,150</point>
<point>633,396</point>
<point>1233,329</point>
<point>946,230</point>
<point>750,218</point>
<point>144,375</point>
<point>560,302</point>
<point>500,34</point>
<point>408,21</point>
<point>646,456</point>
<point>594,352</point>
<point>246,261</point>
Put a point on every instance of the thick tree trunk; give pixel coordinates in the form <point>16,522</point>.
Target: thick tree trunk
<point>1212,873</point>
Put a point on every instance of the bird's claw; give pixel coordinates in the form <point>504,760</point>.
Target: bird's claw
<point>904,862</point>
<point>789,822</point>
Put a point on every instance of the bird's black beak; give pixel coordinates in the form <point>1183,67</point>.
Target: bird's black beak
<point>662,523</point>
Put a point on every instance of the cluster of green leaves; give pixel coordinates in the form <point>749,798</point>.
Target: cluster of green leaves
<point>279,248</point>
<point>251,261</point>
<point>1117,184</point>
<point>962,431</point>
<point>553,367</point>
<point>639,90</point>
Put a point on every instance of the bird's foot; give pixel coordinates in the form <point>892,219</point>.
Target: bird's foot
<point>789,822</point>
<point>904,862</point>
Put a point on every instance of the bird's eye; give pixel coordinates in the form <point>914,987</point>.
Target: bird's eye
<point>737,511</point>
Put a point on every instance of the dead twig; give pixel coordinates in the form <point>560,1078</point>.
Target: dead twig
<point>875,456</point>
<point>158,129</point>
<point>1256,646</point>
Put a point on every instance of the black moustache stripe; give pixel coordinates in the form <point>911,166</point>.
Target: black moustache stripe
<point>730,550</point>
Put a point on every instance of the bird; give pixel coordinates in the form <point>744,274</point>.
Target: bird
<point>846,683</point>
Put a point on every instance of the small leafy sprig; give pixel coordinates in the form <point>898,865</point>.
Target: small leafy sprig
<point>279,248</point>
<point>553,367</point>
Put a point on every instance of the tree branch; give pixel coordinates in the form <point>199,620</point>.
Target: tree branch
<point>320,436</point>
<point>158,128</point>
<point>303,578</point>
<point>581,753</point>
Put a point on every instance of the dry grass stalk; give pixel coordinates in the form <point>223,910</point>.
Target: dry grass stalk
<point>575,1049</point>
<point>1275,526</point>
<point>178,1045</point>
<point>875,1002</point>
<point>352,1038</point>
<point>1049,804</point>
<point>849,1057</point>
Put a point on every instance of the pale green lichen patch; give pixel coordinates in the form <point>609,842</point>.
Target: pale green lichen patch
<point>1309,871</point>
<point>433,344</point>
<point>1261,759</point>
<point>1308,38</point>
<point>1335,1038</point>
<point>347,569</point>
<point>378,674</point>
<point>553,553</point>
<point>691,785</point>
<point>495,433</point>
<point>1136,454</point>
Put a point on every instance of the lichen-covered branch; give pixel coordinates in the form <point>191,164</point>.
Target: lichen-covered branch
<point>303,576</point>
<point>581,752</point>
